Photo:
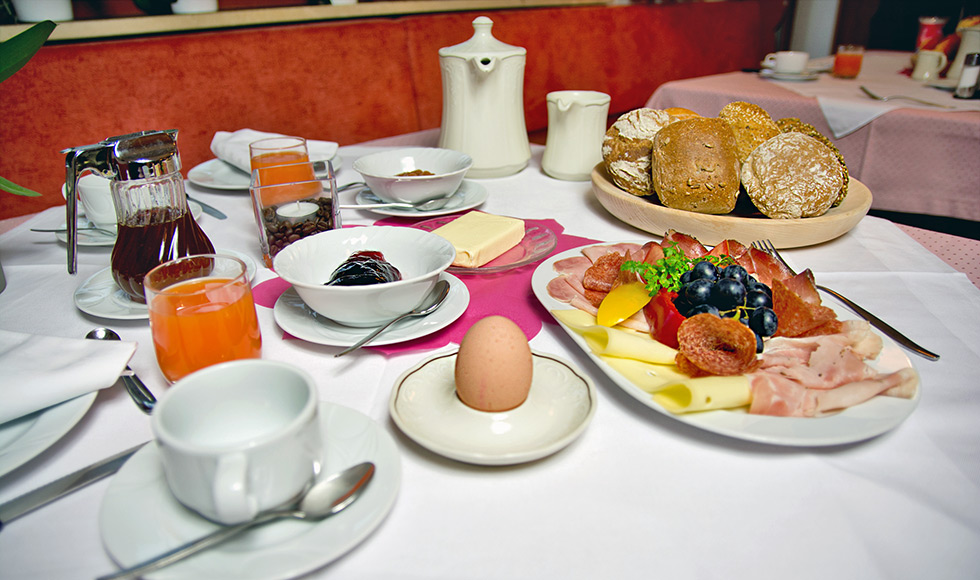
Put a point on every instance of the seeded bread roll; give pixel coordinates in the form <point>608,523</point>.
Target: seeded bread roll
<point>626,148</point>
<point>792,175</point>
<point>695,166</point>
<point>793,124</point>
<point>752,126</point>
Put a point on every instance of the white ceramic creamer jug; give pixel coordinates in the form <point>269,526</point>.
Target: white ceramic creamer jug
<point>576,126</point>
<point>483,103</point>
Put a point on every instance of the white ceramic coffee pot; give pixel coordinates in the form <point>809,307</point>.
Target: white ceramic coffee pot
<point>483,103</point>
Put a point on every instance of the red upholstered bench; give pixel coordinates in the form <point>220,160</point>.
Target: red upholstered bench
<point>346,81</point>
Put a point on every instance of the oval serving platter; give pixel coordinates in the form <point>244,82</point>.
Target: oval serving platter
<point>648,215</point>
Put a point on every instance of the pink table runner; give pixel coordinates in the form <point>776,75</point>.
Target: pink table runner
<point>507,294</point>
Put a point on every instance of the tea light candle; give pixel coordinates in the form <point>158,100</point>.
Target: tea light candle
<point>297,211</point>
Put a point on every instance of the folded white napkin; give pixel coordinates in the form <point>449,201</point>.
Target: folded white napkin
<point>233,147</point>
<point>40,371</point>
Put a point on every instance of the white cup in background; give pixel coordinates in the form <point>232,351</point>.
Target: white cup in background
<point>239,438</point>
<point>928,64</point>
<point>787,61</point>
<point>95,193</point>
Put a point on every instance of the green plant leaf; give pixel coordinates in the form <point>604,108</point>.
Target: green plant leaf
<point>16,51</point>
<point>7,185</point>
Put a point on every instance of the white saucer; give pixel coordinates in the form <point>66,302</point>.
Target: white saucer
<point>95,238</point>
<point>943,84</point>
<point>803,76</point>
<point>216,174</point>
<point>558,408</point>
<point>469,195</point>
<point>25,438</point>
<point>139,517</point>
<point>100,296</point>
<point>296,318</point>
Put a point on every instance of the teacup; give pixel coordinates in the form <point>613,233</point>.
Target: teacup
<point>928,64</point>
<point>239,438</point>
<point>95,193</point>
<point>787,61</point>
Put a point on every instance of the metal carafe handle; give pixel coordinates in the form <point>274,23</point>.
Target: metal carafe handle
<point>123,157</point>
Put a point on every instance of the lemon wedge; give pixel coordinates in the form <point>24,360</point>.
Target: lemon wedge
<point>622,302</point>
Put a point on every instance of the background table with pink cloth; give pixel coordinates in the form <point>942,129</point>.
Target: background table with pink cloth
<point>638,495</point>
<point>914,158</point>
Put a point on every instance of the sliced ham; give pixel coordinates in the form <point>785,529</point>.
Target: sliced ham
<point>808,377</point>
<point>593,253</point>
<point>691,247</point>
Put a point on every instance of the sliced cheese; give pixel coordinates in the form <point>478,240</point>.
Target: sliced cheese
<point>705,394</point>
<point>481,237</point>
<point>618,342</point>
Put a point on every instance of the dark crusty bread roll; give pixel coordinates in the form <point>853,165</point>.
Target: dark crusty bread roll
<point>752,126</point>
<point>695,166</point>
<point>793,124</point>
<point>626,148</point>
<point>792,175</point>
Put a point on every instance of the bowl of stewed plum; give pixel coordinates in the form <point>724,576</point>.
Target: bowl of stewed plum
<point>364,276</point>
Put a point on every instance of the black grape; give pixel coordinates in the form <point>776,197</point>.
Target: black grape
<point>727,294</point>
<point>757,299</point>
<point>704,271</point>
<point>764,321</point>
<point>735,272</point>
<point>698,291</point>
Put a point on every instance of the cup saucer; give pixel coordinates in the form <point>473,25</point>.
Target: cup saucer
<point>296,318</point>
<point>558,408</point>
<point>139,517</point>
<point>469,195</point>
<point>100,296</point>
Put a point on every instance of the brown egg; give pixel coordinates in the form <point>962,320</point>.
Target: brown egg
<point>494,366</point>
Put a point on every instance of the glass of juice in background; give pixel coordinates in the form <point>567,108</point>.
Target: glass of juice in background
<point>280,159</point>
<point>847,61</point>
<point>201,313</point>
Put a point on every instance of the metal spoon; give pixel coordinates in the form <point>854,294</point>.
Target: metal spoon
<point>432,301</point>
<point>429,205</point>
<point>326,498</point>
<point>141,395</point>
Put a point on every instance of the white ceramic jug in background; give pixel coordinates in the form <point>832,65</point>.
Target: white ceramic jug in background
<point>483,103</point>
<point>576,126</point>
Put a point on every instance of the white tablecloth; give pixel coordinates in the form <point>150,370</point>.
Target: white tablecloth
<point>639,495</point>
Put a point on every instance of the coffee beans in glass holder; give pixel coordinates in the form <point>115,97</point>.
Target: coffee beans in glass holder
<point>286,212</point>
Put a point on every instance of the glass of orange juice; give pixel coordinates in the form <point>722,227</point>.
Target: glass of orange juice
<point>847,61</point>
<point>201,313</point>
<point>280,159</point>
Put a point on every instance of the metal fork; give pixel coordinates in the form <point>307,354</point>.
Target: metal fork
<point>876,97</point>
<point>767,247</point>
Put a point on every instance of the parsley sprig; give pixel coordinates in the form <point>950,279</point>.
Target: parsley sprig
<point>667,271</point>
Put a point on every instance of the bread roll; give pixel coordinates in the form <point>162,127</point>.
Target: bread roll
<point>695,166</point>
<point>793,124</point>
<point>627,145</point>
<point>752,126</point>
<point>792,175</point>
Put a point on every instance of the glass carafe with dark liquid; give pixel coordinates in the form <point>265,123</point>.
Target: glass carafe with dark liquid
<point>154,224</point>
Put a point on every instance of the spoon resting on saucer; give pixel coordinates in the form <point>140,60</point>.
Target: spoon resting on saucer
<point>429,205</point>
<point>327,497</point>
<point>432,301</point>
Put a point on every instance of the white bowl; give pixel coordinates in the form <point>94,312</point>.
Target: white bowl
<point>380,172</point>
<point>420,256</point>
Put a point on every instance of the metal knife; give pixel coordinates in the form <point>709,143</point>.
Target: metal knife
<point>209,209</point>
<point>63,486</point>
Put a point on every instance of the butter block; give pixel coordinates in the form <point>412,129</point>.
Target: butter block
<point>480,237</point>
